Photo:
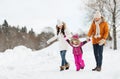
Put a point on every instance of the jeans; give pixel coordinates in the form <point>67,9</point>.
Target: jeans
<point>63,54</point>
<point>98,51</point>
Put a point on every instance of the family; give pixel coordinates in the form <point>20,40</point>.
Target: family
<point>98,32</point>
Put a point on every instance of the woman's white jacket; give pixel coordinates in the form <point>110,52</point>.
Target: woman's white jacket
<point>63,45</point>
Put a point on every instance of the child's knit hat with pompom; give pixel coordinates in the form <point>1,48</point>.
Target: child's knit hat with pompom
<point>76,36</point>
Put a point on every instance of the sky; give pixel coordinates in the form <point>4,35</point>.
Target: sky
<point>38,14</point>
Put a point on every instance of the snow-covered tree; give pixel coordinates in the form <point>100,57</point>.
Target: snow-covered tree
<point>81,33</point>
<point>5,23</point>
<point>24,29</point>
<point>31,32</point>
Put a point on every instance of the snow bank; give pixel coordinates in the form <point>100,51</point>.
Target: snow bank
<point>23,63</point>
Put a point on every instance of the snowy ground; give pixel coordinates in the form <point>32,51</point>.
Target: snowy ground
<point>22,63</point>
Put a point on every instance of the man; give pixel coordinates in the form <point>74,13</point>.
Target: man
<point>99,32</point>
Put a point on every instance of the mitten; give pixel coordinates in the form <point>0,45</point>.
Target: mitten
<point>88,39</point>
<point>101,42</point>
<point>64,36</point>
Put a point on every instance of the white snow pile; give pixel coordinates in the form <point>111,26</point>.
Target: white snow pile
<point>23,63</point>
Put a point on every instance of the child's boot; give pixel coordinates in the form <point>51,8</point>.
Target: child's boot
<point>82,67</point>
<point>62,68</point>
<point>77,67</point>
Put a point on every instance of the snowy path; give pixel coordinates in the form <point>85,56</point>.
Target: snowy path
<point>22,63</point>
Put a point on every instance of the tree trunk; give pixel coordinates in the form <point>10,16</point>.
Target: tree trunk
<point>114,27</point>
<point>114,38</point>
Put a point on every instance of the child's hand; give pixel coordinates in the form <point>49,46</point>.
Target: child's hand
<point>64,36</point>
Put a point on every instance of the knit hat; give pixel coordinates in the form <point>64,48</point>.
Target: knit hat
<point>76,36</point>
<point>59,22</point>
<point>97,14</point>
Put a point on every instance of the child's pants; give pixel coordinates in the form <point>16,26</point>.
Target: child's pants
<point>79,62</point>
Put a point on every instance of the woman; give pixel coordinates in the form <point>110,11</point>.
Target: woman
<point>99,32</point>
<point>61,33</point>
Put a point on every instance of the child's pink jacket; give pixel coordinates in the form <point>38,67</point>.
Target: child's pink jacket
<point>77,49</point>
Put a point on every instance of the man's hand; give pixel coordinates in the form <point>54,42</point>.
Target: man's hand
<point>101,42</point>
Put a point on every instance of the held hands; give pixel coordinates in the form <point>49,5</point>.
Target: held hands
<point>88,39</point>
<point>101,42</point>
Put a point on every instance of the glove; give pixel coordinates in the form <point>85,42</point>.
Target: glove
<point>101,42</point>
<point>64,36</point>
<point>48,42</point>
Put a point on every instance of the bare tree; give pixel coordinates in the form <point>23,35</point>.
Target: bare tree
<point>111,10</point>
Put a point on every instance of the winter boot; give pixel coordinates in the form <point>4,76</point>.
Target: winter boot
<point>82,67</point>
<point>77,69</point>
<point>62,68</point>
<point>94,69</point>
<point>98,69</point>
<point>67,66</point>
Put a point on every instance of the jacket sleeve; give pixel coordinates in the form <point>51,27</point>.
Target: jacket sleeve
<point>83,43</point>
<point>51,39</point>
<point>90,31</point>
<point>69,42</point>
<point>106,31</point>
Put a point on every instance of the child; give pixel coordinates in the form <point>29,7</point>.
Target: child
<point>77,51</point>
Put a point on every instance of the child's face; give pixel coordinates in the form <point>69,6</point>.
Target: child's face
<point>75,42</point>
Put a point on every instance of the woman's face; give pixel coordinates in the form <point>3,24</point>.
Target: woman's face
<point>97,19</point>
<point>60,27</point>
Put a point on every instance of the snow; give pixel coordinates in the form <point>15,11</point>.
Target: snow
<point>23,63</point>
